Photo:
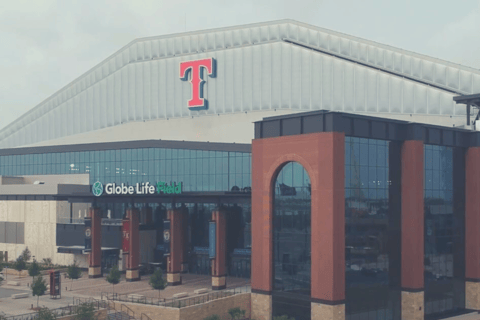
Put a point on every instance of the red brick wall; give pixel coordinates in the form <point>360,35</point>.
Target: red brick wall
<point>95,256</point>
<point>322,155</point>
<point>133,214</point>
<point>219,265</point>
<point>472,213</point>
<point>174,260</point>
<point>412,215</point>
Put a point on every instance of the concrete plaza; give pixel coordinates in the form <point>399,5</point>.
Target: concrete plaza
<point>93,288</point>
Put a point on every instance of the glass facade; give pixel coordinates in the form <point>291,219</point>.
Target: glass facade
<point>444,229</point>
<point>372,232</point>
<point>199,170</point>
<point>291,242</point>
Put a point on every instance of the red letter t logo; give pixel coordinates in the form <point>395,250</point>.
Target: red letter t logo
<point>197,102</point>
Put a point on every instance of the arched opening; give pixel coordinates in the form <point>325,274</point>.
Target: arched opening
<point>292,242</point>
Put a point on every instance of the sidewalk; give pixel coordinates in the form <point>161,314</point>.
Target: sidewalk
<point>93,288</point>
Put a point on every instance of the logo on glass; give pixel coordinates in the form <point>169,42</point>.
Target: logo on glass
<point>97,189</point>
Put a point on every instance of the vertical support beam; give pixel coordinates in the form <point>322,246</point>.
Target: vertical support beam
<point>472,227</point>
<point>219,266</point>
<point>183,211</point>
<point>174,261</point>
<point>95,256</point>
<point>328,231</point>
<point>133,258</point>
<point>262,231</point>
<point>413,220</point>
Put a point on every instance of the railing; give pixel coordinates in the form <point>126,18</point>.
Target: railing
<point>180,302</point>
<point>63,311</point>
<point>105,221</point>
<point>129,311</point>
<point>144,316</point>
<point>111,222</point>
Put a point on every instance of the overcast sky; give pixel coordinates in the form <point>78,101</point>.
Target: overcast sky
<point>45,44</point>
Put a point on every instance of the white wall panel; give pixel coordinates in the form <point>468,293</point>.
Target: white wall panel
<point>296,76</point>
<point>420,93</point>
<point>371,79</point>
<point>408,98</point>
<point>433,101</point>
<point>360,88</point>
<point>466,81</point>
<point>338,83</point>
<point>395,93</point>
<point>349,88</point>
<point>383,92</point>
<point>266,72</point>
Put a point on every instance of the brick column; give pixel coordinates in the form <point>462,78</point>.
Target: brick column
<point>472,227</point>
<point>219,265</point>
<point>174,261</point>
<point>133,257</point>
<point>183,211</point>
<point>412,220</point>
<point>262,242</point>
<point>95,256</point>
<point>328,231</point>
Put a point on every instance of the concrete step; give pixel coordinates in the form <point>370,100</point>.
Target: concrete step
<point>469,316</point>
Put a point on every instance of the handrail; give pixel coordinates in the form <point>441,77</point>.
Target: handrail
<point>180,302</point>
<point>128,309</point>
<point>144,315</point>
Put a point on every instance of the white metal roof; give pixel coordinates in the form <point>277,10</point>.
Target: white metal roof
<point>275,65</point>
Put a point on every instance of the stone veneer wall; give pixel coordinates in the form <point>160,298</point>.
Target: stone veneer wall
<point>154,312</point>
<point>40,218</point>
<point>413,305</point>
<point>261,306</point>
<point>219,307</point>
<point>101,315</point>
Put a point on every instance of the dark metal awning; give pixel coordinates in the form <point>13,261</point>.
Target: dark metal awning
<point>80,249</point>
<point>470,100</point>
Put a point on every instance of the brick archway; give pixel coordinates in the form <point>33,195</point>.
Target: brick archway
<point>322,155</point>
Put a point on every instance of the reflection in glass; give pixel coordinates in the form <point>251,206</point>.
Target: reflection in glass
<point>291,242</point>
<point>371,239</point>
<point>444,230</point>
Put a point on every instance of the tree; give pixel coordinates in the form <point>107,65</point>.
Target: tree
<point>113,276</point>
<point>74,272</point>
<point>284,317</point>
<point>236,313</point>
<point>47,262</point>
<point>20,264</point>
<point>26,255</point>
<point>46,314</point>
<point>212,317</point>
<point>86,311</point>
<point>39,287</point>
<point>157,281</point>
<point>34,270</point>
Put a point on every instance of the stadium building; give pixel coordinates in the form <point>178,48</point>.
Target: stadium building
<point>340,175</point>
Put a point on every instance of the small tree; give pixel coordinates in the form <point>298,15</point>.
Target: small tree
<point>284,317</point>
<point>39,287</point>
<point>113,277</point>
<point>74,272</point>
<point>20,264</point>
<point>46,314</point>
<point>157,281</point>
<point>26,255</point>
<point>47,262</point>
<point>34,270</point>
<point>86,311</point>
<point>236,313</point>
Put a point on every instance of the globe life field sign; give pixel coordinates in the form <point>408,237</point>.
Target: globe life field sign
<point>144,188</point>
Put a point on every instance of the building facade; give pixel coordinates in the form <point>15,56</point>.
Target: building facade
<point>336,173</point>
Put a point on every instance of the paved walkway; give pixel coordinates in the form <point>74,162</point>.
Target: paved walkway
<point>86,287</point>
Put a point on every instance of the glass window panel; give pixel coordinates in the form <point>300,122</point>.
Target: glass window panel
<point>206,154</point>
<point>144,154</point>
<point>163,153</point>
<point>134,152</point>
<point>168,153</point>
<point>363,154</point>
<point>205,165</point>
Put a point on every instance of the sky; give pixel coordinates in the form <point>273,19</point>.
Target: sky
<point>46,44</point>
